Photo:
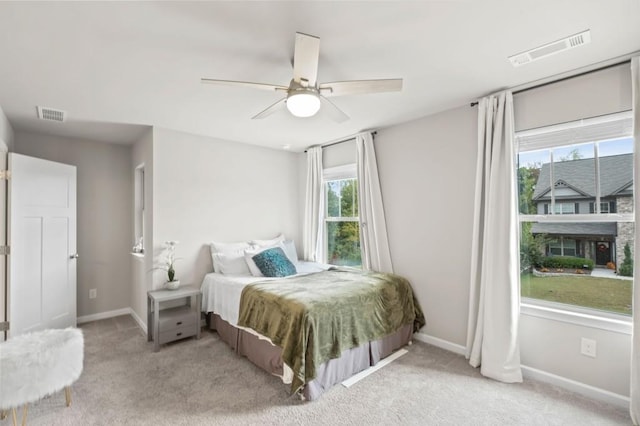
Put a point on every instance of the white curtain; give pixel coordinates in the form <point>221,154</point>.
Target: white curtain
<point>494,305</point>
<point>314,207</point>
<point>374,243</point>
<point>635,344</point>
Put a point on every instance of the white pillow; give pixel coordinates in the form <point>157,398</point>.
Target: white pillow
<point>289,248</point>
<point>227,248</point>
<point>248,258</point>
<point>231,264</point>
<point>268,243</point>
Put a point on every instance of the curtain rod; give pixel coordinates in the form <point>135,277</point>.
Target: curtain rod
<point>350,138</point>
<point>609,64</point>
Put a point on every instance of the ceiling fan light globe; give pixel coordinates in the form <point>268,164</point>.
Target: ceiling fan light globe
<point>303,104</point>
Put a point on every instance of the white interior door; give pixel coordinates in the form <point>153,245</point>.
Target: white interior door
<point>42,238</point>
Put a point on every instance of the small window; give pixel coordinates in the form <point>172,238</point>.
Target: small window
<point>342,224</point>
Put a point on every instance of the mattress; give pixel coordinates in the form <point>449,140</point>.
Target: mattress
<point>221,293</point>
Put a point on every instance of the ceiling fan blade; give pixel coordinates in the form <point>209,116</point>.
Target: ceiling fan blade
<point>262,86</point>
<point>360,87</point>
<point>277,106</point>
<point>305,59</point>
<point>334,112</point>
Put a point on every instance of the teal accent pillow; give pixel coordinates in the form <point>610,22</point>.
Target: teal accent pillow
<point>274,263</point>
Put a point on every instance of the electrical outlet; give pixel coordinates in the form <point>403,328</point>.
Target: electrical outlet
<point>93,293</point>
<point>588,347</point>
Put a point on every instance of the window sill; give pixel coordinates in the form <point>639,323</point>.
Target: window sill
<point>622,325</point>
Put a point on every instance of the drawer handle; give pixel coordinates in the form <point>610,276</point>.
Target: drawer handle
<point>179,323</point>
<point>179,334</point>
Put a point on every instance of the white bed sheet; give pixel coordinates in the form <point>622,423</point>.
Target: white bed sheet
<point>221,293</point>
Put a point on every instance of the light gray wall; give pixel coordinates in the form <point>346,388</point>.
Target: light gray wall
<point>427,175</point>
<point>554,346</point>
<point>141,266</point>
<point>208,189</point>
<point>6,133</point>
<point>104,214</point>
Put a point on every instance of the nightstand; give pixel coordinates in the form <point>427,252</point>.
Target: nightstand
<point>167,325</point>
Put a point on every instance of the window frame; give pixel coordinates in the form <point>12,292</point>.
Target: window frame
<point>560,311</point>
<point>344,172</point>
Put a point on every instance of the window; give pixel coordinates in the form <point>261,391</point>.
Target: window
<point>575,184</point>
<point>562,208</point>
<point>562,247</point>
<point>342,225</point>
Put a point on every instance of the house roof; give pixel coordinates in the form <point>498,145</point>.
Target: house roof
<point>616,174</point>
<point>600,228</point>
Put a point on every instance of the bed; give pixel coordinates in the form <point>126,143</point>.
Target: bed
<point>316,328</point>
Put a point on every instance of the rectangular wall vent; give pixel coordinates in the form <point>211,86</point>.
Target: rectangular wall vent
<point>51,114</point>
<point>552,48</point>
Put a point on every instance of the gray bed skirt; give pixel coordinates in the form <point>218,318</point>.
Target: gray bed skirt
<point>352,361</point>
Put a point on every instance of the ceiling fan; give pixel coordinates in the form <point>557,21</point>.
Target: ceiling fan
<point>305,95</point>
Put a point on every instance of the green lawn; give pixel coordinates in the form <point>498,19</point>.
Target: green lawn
<point>606,294</point>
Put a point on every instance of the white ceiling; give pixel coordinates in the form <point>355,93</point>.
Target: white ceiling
<point>117,66</point>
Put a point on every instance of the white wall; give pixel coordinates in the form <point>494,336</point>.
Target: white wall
<point>141,266</point>
<point>103,218</point>
<point>427,175</point>
<point>208,189</point>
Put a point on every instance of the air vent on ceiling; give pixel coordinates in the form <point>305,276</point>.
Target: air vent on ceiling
<point>558,46</point>
<point>51,114</point>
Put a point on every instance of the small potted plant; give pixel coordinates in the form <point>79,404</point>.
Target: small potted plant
<point>167,263</point>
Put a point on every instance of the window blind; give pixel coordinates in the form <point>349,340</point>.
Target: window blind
<point>611,126</point>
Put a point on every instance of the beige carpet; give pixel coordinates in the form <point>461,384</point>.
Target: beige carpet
<point>202,382</point>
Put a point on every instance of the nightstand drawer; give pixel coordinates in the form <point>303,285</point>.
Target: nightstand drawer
<point>173,318</point>
<point>177,333</point>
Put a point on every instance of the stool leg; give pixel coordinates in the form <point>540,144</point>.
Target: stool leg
<point>67,395</point>
<point>24,414</point>
<point>15,416</point>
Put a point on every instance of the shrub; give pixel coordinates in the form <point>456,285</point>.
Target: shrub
<point>567,262</point>
<point>626,269</point>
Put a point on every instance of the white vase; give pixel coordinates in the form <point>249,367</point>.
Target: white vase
<point>172,285</point>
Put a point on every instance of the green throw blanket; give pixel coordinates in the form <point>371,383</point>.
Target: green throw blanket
<point>315,317</point>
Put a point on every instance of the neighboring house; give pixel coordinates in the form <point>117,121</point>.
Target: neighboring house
<point>575,193</point>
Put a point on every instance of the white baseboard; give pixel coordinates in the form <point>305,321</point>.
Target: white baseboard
<point>577,387</point>
<point>103,315</point>
<point>141,324</point>
<point>115,313</point>
<point>533,373</point>
<point>440,343</point>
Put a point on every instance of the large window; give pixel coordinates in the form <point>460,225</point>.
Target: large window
<point>575,186</point>
<point>342,226</point>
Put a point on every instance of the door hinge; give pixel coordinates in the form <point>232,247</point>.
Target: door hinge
<point>5,174</point>
<point>4,326</point>
<point>5,250</point>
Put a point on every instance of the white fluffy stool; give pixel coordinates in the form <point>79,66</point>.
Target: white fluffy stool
<point>38,364</point>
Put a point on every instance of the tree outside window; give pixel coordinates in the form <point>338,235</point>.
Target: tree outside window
<point>342,224</point>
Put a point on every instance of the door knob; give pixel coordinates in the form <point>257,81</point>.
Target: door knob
<point>74,256</point>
